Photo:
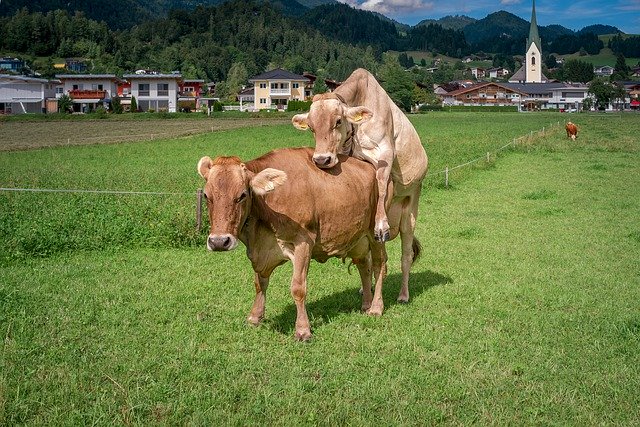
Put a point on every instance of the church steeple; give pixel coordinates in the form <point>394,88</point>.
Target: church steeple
<point>533,30</point>
<point>533,57</point>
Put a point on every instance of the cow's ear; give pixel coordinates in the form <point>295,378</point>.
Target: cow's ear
<point>204,166</point>
<point>300,121</point>
<point>359,115</point>
<point>267,181</point>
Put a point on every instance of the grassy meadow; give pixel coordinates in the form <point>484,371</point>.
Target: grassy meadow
<point>525,307</point>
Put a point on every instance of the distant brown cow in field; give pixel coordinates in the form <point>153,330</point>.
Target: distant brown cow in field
<point>572,130</point>
<point>284,208</point>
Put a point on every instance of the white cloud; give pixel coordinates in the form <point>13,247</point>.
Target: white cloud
<point>392,7</point>
<point>510,2</point>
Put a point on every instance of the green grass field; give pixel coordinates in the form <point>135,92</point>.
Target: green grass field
<point>525,305</point>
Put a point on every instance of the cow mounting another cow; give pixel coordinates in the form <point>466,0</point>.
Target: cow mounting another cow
<point>360,120</point>
<point>283,208</point>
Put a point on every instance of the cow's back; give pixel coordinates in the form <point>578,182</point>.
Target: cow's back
<point>334,206</point>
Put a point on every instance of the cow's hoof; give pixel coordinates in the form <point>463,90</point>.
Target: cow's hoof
<point>303,335</point>
<point>375,311</point>
<point>254,320</point>
<point>365,307</point>
<point>403,300</point>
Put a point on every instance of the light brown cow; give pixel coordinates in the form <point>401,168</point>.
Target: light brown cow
<point>572,130</point>
<point>359,119</point>
<point>283,208</point>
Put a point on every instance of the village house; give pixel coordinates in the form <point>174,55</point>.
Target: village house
<point>487,93</point>
<point>275,88</point>
<point>497,73</point>
<point>603,71</point>
<point>478,72</point>
<point>89,91</point>
<point>189,93</point>
<point>13,65</point>
<point>552,95</point>
<point>20,95</point>
<point>155,92</point>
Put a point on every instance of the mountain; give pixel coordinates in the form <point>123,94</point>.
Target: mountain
<point>310,4</point>
<point>599,29</point>
<point>457,22</point>
<point>494,26</point>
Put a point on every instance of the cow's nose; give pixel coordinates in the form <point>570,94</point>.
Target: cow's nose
<point>322,161</point>
<point>221,243</point>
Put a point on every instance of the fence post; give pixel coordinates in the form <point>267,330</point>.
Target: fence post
<point>199,210</point>
<point>446,177</point>
<point>488,157</point>
<point>542,130</point>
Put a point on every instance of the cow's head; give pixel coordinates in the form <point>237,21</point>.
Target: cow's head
<point>331,120</point>
<point>229,189</point>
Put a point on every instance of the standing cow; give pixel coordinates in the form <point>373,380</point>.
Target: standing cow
<point>359,119</point>
<point>572,130</point>
<point>284,208</point>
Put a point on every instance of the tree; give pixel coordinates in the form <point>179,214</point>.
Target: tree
<point>134,104</point>
<point>603,91</point>
<point>320,86</point>
<point>622,70</point>
<point>236,79</point>
<point>397,82</point>
<point>587,103</point>
<point>116,105</point>
<point>65,103</point>
<point>577,71</point>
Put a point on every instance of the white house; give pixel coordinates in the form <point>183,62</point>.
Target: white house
<point>157,92</point>
<point>603,71</point>
<point>89,91</point>
<point>19,94</point>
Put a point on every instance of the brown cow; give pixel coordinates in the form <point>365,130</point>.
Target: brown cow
<point>572,130</point>
<point>283,208</point>
<point>360,119</point>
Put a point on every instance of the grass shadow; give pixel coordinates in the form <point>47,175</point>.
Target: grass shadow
<point>349,300</point>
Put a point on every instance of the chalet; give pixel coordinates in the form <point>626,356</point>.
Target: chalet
<point>275,88</point>
<point>155,92</point>
<point>497,73</point>
<point>308,89</point>
<point>20,95</point>
<point>477,72</point>
<point>603,71</point>
<point>89,91</point>
<point>488,93</point>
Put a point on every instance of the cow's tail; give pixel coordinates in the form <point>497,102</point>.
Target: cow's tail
<point>417,249</point>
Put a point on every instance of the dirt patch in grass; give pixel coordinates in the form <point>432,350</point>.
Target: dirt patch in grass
<point>33,135</point>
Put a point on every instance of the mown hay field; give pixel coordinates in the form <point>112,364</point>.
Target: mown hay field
<point>524,307</point>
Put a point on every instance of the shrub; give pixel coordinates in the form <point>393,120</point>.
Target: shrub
<point>295,105</point>
<point>134,104</point>
<point>217,106</point>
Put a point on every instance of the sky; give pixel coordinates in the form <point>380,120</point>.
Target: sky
<point>573,14</point>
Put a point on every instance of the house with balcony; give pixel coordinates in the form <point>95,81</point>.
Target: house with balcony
<point>275,88</point>
<point>497,72</point>
<point>155,91</point>
<point>189,93</point>
<point>603,71</point>
<point>13,65</point>
<point>89,91</point>
<point>488,93</point>
<point>20,94</point>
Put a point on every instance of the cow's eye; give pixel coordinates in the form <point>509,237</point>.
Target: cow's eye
<point>339,123</point>
<point>241,197</point>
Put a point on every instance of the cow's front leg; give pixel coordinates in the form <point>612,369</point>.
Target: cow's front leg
<point>257,310</point>
<point>383,172</point>
<point>379,262</point>
<point>301,259</point>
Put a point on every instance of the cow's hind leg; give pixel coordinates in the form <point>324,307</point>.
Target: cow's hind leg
<point>379,265</point>
<point>301,259</point>
<point>410,245</point>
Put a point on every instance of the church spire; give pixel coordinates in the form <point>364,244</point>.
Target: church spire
<point>533,30</point>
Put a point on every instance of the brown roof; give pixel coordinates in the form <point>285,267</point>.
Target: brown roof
<point>480,86</point>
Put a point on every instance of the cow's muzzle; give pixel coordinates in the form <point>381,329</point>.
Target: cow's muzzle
<point>325,161</point>
<point>222,242</point>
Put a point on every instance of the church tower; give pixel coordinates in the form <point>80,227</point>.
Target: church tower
<point>533,57</point>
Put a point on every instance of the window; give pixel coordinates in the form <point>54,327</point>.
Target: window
<point>163,89</point>
<point>263,100</point>
<point>533,60</point>
<point>263,85</point>
<point>96,86</point>
<point>59,89</point>
<point>274,85</point>
<point>77,87</point>
<point>143,90</point>
<point>296,85</point>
